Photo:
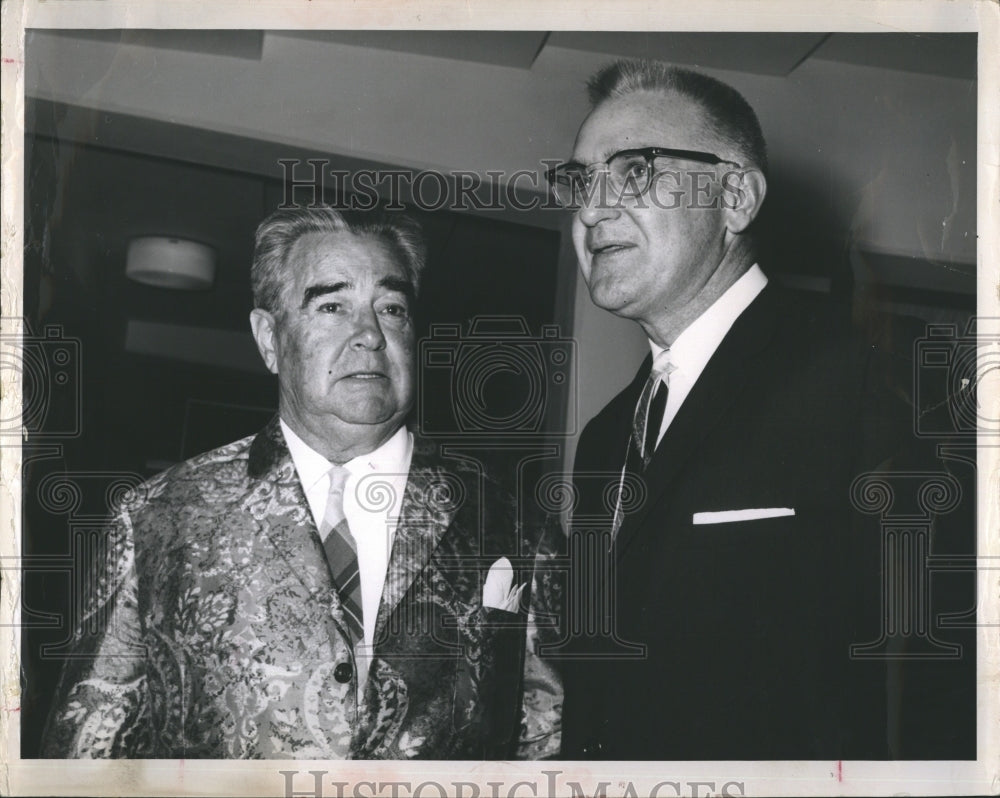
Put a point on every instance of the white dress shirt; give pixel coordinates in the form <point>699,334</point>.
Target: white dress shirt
<point>695,346</point>
<point>372,512</point>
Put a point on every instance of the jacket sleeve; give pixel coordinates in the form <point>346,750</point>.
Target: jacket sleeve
<point>101,708</point>
<point>541,709</point>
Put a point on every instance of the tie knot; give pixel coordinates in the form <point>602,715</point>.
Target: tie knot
<point>662,365</point>
<point>338,479</point>
<point>334,512</point>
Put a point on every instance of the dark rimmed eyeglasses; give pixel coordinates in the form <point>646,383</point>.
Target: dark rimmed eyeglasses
<point>628,173</point>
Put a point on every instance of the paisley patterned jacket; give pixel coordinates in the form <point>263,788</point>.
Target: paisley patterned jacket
<point>213,628</point>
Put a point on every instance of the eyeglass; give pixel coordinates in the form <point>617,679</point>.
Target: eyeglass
<point>629,173</point>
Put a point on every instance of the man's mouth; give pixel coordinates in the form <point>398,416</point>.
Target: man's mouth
<point>366,375</point>
<point>609,247</point>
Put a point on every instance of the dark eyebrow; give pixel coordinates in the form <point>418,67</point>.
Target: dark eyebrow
<point>401,285</point>
<point>314,291</point>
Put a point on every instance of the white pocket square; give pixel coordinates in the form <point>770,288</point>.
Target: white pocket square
<point>499,591</point>
<point>729,516</point>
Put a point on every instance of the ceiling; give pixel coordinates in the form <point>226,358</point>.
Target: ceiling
<point>760,53</point>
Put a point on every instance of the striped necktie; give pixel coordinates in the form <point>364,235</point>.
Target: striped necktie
<point>646,423</point>
<point>342,553</point>
<point>650,407</point>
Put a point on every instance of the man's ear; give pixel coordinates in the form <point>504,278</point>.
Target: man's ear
<point>743,194</point>
<point>265,334</point>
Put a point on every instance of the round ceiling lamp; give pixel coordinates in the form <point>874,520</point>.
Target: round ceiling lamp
<point>170,263</point>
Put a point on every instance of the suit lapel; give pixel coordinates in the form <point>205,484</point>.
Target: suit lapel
<point>425,515</point>
<point>278,499</point>
<point>716,391</point>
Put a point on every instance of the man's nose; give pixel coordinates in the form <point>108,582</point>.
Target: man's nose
<point>600,203</point>
<point>367,331</point>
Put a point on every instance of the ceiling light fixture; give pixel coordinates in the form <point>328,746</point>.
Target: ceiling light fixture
<point>170,263</point>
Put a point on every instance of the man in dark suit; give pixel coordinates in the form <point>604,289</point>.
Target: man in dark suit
<point>328,588</point>
<point>723,581</point>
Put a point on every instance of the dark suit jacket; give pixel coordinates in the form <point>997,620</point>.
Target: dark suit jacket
<point>214,629</point>
<point>731,640</point>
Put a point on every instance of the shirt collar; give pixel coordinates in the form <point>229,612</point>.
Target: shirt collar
<point>391,457</point>
<point>699,340</point>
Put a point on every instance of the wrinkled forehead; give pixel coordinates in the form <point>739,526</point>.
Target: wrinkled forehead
<point>643,119</point>
<point>357,258</point>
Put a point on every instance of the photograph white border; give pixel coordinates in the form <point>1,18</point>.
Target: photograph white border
<point>50,777</point>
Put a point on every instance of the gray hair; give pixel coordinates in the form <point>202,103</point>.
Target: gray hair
<point>725,107</point>
<point>279,232</point>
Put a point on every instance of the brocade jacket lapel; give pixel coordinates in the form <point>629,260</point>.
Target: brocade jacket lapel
<point>425,515</point>
<point>278,497</point>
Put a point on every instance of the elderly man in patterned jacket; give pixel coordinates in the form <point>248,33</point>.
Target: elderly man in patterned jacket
<point>330,587</point>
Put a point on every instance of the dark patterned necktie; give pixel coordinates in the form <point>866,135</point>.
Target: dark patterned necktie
<point>342,552</point>
<point>646,423</point>
<point>650,407</point>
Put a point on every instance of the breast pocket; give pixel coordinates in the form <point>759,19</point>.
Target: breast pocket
<point>736,530</point>
<point>719,517</point>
